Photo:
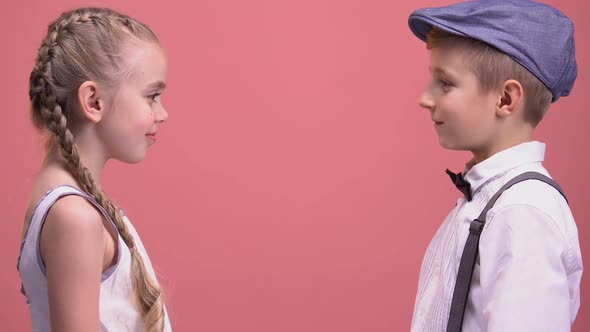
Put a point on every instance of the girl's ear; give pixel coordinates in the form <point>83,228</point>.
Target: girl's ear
<point>92,102</point>
<point>512,98</point>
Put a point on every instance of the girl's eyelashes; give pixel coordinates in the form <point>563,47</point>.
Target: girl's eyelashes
<point>153,96</point>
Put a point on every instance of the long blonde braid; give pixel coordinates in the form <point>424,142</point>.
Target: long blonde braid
<point>78,47</point>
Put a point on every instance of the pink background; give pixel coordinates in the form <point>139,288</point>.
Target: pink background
<point>297,183</point>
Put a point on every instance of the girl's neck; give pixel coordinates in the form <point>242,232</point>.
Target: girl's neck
<point>95,166</point>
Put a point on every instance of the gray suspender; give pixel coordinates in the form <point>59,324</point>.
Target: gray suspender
<point>469,256</point>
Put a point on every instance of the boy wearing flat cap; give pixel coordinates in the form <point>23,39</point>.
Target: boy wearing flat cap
<point>507,257</point>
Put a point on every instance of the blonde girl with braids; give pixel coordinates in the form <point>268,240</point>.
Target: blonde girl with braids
<point>95,90</point>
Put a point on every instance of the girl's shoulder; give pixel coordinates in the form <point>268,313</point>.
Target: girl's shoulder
<point>51,180</point>
<point>67,218</point>
<point>72,207</point>
<point>66,211</point>
<point>72,223</point>
<point>58,200</point>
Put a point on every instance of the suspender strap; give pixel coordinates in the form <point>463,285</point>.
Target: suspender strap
<point>469,255</point>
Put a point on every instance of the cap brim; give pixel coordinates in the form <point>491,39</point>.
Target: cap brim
<point>421,24</point>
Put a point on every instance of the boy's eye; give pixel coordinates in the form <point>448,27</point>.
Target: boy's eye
<point>444,83</point>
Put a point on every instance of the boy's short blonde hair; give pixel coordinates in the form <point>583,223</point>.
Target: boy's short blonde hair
<point>493,67</point>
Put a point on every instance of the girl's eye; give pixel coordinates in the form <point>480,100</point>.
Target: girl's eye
<point>154,97</point>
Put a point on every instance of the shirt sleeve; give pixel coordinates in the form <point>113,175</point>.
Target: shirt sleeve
<point>523,272</point>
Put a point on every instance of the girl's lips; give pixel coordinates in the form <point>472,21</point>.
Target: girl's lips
<point>151,137</point>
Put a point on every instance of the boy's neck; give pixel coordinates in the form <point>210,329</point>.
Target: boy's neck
<point>501,145</point>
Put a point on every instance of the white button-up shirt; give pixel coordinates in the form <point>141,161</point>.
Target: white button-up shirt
<point>528,272</point>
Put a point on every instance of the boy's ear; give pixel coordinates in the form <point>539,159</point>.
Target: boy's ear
<point>91,101</point>
<point>511,99</point>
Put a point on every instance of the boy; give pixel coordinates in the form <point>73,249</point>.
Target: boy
<point>496,66</point>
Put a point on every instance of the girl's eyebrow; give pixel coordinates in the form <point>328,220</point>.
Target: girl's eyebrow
<point>158,85</point>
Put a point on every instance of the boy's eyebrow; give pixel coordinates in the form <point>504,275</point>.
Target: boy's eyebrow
<point>441,72</point>
<point>158,85</point>
<point>438,70</point>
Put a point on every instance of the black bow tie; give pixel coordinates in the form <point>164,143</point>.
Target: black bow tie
<point>463,185</point>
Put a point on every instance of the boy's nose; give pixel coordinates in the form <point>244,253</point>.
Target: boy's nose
<point>426,101</point>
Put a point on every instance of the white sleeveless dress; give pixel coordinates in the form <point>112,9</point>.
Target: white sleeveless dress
<point>117,308</point>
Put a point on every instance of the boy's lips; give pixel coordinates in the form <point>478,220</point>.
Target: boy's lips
<point>435,120</point>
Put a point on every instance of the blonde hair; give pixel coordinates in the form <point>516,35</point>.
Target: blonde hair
<point>84,45</point>
<point>493,67</point>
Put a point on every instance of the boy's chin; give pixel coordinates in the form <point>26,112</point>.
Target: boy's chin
<point>450,145</point>
<point>446,144</point>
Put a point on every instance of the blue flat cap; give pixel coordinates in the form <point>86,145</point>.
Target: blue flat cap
<point>536,35</point>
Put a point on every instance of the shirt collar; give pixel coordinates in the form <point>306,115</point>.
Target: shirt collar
<point>524,153</point>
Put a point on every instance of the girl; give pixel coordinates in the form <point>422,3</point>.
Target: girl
<point>95,89</point>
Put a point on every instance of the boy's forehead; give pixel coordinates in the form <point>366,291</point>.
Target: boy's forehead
<point>448,60</point>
